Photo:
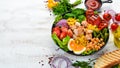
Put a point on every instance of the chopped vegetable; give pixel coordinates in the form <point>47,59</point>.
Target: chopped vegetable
<point>57,18</point>
<point>69,15</point>
<point>92,27</point>
<point>82,64</point>
<point>62,7</point>
<point>102,34</point>
<point>62,22</point>
<point>78,11</point>
<point>71,21</point>
<point>77,2</point>
<point>81,18</point>
<point>63,35</point>
<point>63,43</point>
<point>56,30</point>
<point>102,25</point>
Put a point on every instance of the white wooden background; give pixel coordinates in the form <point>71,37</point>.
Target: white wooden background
<point>25,34</point>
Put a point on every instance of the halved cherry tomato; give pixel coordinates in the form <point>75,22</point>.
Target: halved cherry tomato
<point>107,16</point>
<point>63,35</point>
<point>57,31</point>
<point>56,28</point>
<point>70,33</point>
<point>64,29</point>
<point>117,17</point>
<point>114,26</point>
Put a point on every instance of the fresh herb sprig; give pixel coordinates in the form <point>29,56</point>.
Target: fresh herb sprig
<point>64,6</point>
<point>83,64</point>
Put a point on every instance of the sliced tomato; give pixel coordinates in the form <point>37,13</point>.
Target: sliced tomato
<point>94,20</point>
<point>103,25</point>
<point>63,35</point>
<point>57,31</point>
<point>64,29</point>
<point>89,12</point>
<point>56,28</point>
<point>70,33</point>
<point>97,20</point>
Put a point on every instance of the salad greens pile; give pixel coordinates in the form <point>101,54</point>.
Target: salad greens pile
<point>76,13</point>
<point>63,6</point>
<point>66,10</point>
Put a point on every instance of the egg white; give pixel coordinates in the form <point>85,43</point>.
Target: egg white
<point>79,52</point>
<point>69,44</point>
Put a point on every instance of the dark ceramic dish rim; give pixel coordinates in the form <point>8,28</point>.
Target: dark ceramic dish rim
<point>70,52</point>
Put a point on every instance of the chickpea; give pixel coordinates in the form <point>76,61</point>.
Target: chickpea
<point>88,49</point>
<point>101,39</point>
<point>95,46</point>
<point>103,43</point>
<point>92,40</point>
<point>100,45</point>
<point>97,39</point>
<point>95,42</point>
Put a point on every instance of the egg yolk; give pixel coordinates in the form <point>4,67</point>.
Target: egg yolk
<point>76,47</point>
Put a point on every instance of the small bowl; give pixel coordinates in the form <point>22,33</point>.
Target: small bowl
<point>100,3</point>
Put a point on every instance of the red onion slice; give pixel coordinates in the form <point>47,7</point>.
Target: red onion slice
<point>62,22</point>
<point>113,13</point>
<point>59,60</point>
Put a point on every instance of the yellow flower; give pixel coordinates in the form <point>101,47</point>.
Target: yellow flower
<point>51,3</point>
<point>71,21</point>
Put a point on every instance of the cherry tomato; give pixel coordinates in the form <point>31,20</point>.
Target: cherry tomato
<point>114,26</point>
<point>117,17</point>
<point>107,16</point>
<point>63,35</point>
<point>70,33</point>
<point>56,30</point>
<point>64,29</point>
